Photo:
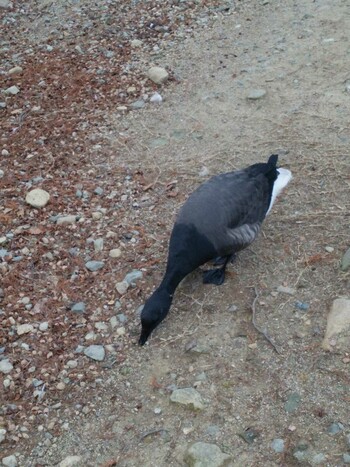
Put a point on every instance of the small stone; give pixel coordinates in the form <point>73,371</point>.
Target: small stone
<point>255,94</point>
<point>156,98</point>
<point>133,276</point>
<point>157,74</point>
<point>249,435</point>
<point>98,191</point>
<point>5,366</point>
<point>338,324</point>
<point>61,220</point>
<point>3,240</point>
<point>15,70</point>
<point>98,244</point>
<point>345,262</point>
<point>2,434</point>
<point>12,91</point>
<point>286,290</point>
<point>121,331</point>
<point>188,397</point>
<point>113,322</point>
<point>78,307</point>
<point>157,410</point>
<point>5,4</point>
<point>122,318</point>
<point>292,402</point>
<point>72,364</point>
<point>70,461</point>
<point>115,253</point>
<point>233,308</point>
<point>38,198</point>
<point>101,326</point>
<point>97,215</point>
<point>95,352</point>
<point>136,43</point>
<point>94,265</point>
<point>204,171</point>
<point>139,104</point>
<point>335,428</point>
<point>2,173</point>
<point>122,287</point>
<point>302,306</point>
<point>60,386</point>
<point>43,326</point>
<point>278,445</point>
<point>206,455</point>
<point>329,249</point>
<point>212,430</point>
<point>24,329</point>
<point>9,461</point>
<point>346,458</point>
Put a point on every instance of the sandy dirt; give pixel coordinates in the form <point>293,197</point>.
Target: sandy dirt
<point>297,52</point>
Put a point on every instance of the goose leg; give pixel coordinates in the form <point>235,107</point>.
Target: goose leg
<point>216,276</point>
<point>220,260</point>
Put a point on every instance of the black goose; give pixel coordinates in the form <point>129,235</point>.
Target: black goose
<point>221,217</point>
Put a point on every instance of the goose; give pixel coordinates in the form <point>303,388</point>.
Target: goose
<point>221,217</point>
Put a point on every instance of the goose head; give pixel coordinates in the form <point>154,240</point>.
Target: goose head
<point>155,310</point>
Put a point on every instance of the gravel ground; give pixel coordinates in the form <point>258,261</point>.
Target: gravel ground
<point>79,257</point>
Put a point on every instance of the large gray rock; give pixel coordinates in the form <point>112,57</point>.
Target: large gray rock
<point>206,455</point>
<point>9,461</point>
<point>188,397</point>
<point>338,326</point>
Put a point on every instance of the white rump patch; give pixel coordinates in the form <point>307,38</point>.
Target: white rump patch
<point>281,182</point>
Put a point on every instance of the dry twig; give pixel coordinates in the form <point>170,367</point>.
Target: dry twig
<point>264,333</point>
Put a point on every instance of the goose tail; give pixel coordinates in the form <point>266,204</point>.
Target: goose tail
<point>273,159</point>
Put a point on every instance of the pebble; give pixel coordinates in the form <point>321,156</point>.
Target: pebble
<point>338,321</point>
<point>98,244</point>
<point>292,402</point>
<point>37,198</point>
<point>78,307</point>
<point>15,70</point>
<point>5,4</point>
<point>60,386</point>
<point>212,430</point>
<point>204,454</point>
<point>188,397</point>
<point>12,91</point>
<point>101,326</point>
<point>43,326</point>
<point>5,366</point>
<point>302,306</point>
<point>95,352</point>
<point>113,322</point>
<point>346,458</point>
<point>156,98</point>
<point>204,171</point>
<point>255,94</point>
<point>329,249</point>
<point>157,74</point>
<point>122,287</point>
<point>133,276</point>
<point>278,445</point>
<point>98,191</point>
<point>345,262</point>
<point>24,329</point>
<point>72,364</point>
<point>9,461</point>
<point>249,435</point>
<point>136,43</point>
<point>70,461</point>
<point>94,265</point>
<point>157,410</point>
<point>61,220</point>
<point>115,253</point>
<point>318,458</point>
<point>335,428</point>
<point>3,240</point>
<point>121,331</point>
<point>117,305</point>
<point>2,434</point>
<point>97,215</point>
<point>2,173</point>
<point>286,290</point>
<point>139,104</point>
<point>122,318</point>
